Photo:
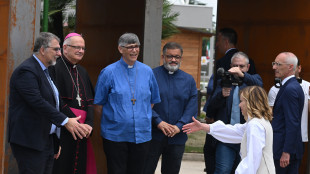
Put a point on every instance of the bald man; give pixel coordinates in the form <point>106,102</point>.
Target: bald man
<point>287,112</point>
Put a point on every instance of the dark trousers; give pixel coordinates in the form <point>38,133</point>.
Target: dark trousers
<point>32,161</point>
<point>171,157</point>
<point>209,150</point>
<point>125,157</point>
<point>292,168</point>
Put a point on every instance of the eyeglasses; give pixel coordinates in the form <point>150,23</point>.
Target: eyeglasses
<point>77,47</point>
<point>55,48</point>
<point>170,57</point>
<point>130,48</point>
<point>278,63</point>
<point>240,66</point>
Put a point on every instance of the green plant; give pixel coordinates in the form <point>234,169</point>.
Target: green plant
<point>55,16</point>
<point>202,116</point>
<point>168,17</point>
<point>189,149</point>
<point>195,142</point>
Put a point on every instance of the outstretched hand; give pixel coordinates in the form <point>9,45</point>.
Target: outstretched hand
<point>195,126</point>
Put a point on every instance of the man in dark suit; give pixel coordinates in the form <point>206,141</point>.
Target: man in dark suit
<point>224,106</point>
<point>226,42</point>
<point>34,110</point>
<point>287,111</point>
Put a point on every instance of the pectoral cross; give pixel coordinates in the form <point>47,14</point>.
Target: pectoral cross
<point>78,98</point>
<point>133,101</point>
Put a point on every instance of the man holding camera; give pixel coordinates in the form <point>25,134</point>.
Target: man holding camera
<point>224,106</point>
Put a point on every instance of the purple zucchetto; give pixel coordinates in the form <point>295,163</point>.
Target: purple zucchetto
<point>72,34</point>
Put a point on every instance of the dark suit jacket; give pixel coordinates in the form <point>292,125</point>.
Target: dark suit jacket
<point>32,106</point>
<point>225,61</point>
<point>286,126</point>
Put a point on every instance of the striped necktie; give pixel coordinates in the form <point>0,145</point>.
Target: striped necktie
<point>53,88</point>
<point>55,93</point>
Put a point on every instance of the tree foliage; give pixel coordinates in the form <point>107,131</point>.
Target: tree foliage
<point>168,17</point>
<point>56,16</point>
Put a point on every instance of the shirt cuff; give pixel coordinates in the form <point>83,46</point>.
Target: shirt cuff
<point>211,128</point>
<point>65,121</point>
<point>214,125</point>
<point>179,125</point>
<point>158,120</point>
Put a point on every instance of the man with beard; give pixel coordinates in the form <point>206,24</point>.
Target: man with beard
<point>77,94</point>
<point>178,95</point>
<point>34,110</point>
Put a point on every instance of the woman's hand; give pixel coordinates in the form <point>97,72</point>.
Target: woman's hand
<point>195,126</point>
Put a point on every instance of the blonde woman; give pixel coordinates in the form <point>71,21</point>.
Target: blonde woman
<point>255,136</point>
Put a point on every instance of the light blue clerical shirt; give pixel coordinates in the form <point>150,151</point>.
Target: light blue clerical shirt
<point>123,121</point>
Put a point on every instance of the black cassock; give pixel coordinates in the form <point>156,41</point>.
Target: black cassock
<point>73,152</point>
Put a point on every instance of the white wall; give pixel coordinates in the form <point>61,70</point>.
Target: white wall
<point>193,16</point>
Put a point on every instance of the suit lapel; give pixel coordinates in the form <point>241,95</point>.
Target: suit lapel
<point>43,77</point>
<point>282,89</point>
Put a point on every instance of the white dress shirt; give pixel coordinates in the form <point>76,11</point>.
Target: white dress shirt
<point>233,134</point>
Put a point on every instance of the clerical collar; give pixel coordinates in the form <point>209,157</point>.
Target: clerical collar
<point>170,72</point>
<point>125,64</point>
<point>68,63</point>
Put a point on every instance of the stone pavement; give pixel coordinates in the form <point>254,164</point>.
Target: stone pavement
<point>192,163</point>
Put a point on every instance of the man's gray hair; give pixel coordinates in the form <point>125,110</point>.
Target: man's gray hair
<point>240,55</point>
<point>67,41</point>
<point>128,38</point>
<point>43,40</point>
<point>291,59</point>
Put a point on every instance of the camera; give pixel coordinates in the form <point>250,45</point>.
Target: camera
<point>228,79</point>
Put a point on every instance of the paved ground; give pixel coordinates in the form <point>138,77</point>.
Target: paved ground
<point>191,164</point>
